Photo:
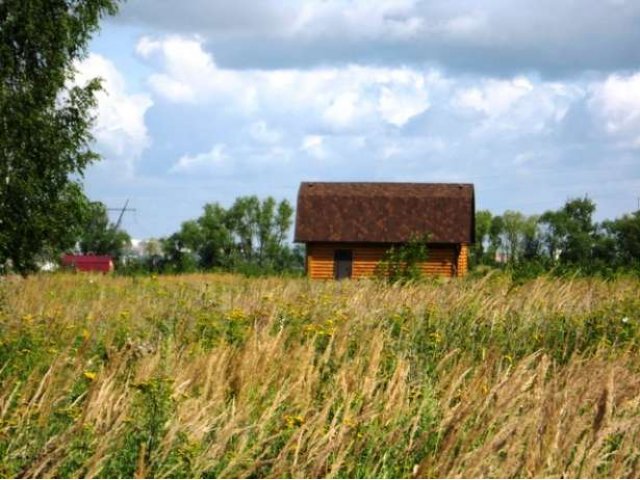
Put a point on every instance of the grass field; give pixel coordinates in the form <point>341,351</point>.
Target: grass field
<point>222,376</point>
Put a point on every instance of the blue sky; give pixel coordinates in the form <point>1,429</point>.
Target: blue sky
<point>206,100</point>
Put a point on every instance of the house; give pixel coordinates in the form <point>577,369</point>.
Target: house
<point>88,263</point>
<point>348,227</point>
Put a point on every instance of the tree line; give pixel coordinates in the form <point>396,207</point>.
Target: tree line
<point>251,236</point>
<point>563,239</point>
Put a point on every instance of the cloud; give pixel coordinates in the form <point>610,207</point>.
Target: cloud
<point>337,98</point>
<point>616,104</point>
<point>120,130</point>
<point>215,161</point>
<point>517,104</point>
<point>314,146</point>
<point>552,37</point>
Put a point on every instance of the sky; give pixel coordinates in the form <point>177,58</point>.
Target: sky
<point>534,102</point>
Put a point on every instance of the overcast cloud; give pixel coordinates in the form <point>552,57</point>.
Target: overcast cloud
<point>550,37</point>
<point>206,100</point>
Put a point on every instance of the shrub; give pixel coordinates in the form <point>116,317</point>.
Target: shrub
<point>402,264</point>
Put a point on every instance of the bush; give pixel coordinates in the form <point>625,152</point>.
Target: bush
<point>402,264</point>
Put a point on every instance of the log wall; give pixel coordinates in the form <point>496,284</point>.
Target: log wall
<point>443,260</point>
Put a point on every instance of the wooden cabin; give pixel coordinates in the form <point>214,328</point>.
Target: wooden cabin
<point>348,227</point>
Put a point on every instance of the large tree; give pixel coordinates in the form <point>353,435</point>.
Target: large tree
<point>569,233</point>
<point>45,121</point>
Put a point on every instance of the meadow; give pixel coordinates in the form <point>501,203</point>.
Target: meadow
<point>224,376</point>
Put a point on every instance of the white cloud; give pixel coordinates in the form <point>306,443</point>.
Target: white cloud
<point>344,109</point>
<point>400,105</point>
<point>340,98</point>
<point>518,105</point>
<point>495,97</point>
<point>314,146</point>
<point>120,129</point>
<point>616,104</point>
<point>214,161</point>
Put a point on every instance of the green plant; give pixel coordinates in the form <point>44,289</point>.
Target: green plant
<point>402,263</point>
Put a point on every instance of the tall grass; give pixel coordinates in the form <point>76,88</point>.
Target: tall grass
<point>221,376</point>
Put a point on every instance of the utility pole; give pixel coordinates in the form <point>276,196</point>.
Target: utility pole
<point>121,210</point>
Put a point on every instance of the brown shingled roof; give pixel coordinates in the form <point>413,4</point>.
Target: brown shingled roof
<point>385,212</point>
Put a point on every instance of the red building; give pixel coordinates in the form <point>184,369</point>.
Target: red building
<point>88,263</point>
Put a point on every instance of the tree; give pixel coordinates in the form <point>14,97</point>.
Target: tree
<point>483,228</point>
<point>531,238</point>
<point>624,235</point>
<point>44,124</point>
<point>569,233</point>
<point>495,236</point>
<point>513,234</point>
<point>248,236</point>
<point>99,236</point>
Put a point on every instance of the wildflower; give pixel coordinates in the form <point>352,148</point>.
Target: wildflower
<point>237,315</point>
<point>625,320</point>
<point>85,334</point>
<point>90,375</point>
<point>293,420</point>
<point>349,422</point>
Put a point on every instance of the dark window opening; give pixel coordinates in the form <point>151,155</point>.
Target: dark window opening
<point>343,264</point>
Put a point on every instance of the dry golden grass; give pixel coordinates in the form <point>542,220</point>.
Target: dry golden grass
<point>221,376</point>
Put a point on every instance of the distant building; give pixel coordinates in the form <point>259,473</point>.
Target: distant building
<point>348,227</point>
<point>88,263</point>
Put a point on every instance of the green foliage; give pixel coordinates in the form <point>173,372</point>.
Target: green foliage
<point>483,229</point>
<point>249,237</point>
<point>402,263</point>
<point>623,237</point>
<point>99,236</point>
<point>570,231</point>
<point>138,450</point>
<point>564,241</point>
<point>44,125</point>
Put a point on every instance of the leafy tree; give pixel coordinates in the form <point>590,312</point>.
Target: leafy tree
<point>513,228</point>
<point>495,236</point>
<point>624,239</point>
<point>215,242</point>
<point>483,229</point>
<point>177,257</point>
<point>249,236</point>
<point>570,233</point>
<point>44,124</point>
<point>99,236</point>
<point>531,243</point>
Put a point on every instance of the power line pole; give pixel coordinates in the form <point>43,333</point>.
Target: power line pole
<point>121,210</point>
